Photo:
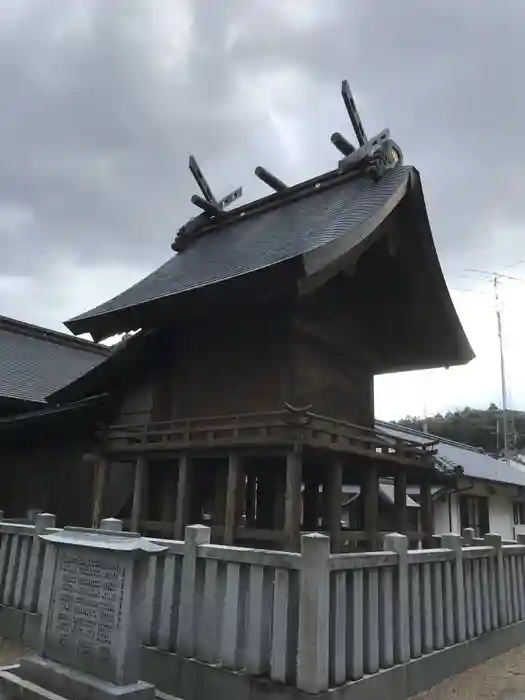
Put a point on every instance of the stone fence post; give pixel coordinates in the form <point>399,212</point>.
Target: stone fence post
<point>36,557</point>
<point>314,614</point>
<point>399,544</point>
<point>468,536</point>
<point>455,543</point>
<point>111,524</point>
<point>186,632</point>
<point>495,541</point>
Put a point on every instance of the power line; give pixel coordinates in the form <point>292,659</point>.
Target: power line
<point>490,274</point>
<point>502,373</point>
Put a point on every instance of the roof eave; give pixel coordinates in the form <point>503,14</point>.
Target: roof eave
<point>463,350</point>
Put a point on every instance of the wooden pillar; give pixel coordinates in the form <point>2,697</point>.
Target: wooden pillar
<point>370,505</point>
<point>334,502</point>
<point>232,493</point>
<point>427,514</point>
<point>220,483</point>
<point>292,515</point>
<point>311,504</point>
<point>400,501</point>
<point>183,495</point>
<point>100,475</point>
<point>138,492</point>
<point>265,499</point>
<point>279,498</point>
<point>169,496</point>
<point>251,497</point>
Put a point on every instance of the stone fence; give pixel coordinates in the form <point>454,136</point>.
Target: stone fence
<point>313,620</point>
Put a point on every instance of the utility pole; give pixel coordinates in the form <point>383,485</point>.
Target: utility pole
<point>502,370</point>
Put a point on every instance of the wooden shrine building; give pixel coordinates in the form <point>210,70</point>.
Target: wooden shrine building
<point>245,399</point>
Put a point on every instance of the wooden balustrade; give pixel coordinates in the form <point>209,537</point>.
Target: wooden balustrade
<point>275,428</point>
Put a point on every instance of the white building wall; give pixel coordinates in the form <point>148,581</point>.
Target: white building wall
<point>501,518</point>
<point>443,516</point>
<point>500,515</point>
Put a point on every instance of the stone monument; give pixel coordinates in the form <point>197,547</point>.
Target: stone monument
<point>93,586</point>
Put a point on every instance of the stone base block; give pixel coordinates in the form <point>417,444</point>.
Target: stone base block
<point>13,687</point>
<point>11,623</point>
<point>74,685</point>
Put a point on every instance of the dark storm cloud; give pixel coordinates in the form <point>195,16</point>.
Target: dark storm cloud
<point>102,103</point>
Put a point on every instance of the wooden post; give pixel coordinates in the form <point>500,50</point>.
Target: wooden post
<point>220,483</point>
<point>168,497</point>
<point>427,519</point>
<point>279,498</point>
<point>334,502</point>
<point>400,501</point>
<point>251,496</point>
<point>266,498</point>
<point>138,490</point>
<point>100,473</point>
<point>370,505</point>
<point>181,510</point>
<point>311,504</point>
<point>232,491</point>
<point>292,519</point>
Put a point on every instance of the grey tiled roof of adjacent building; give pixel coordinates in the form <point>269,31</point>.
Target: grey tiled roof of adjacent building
<point>474,462</point>
<point>35,361</point>
<point>294,228</point>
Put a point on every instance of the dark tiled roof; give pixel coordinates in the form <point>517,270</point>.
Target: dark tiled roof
<point>474,462</point>
<point>52,414</point>
<point>35,361</point>
<point>294,228</point>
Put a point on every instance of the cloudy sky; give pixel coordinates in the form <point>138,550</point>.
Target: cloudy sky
<point>101,103</point>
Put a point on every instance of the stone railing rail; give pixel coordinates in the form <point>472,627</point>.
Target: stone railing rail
<point>313,620</point>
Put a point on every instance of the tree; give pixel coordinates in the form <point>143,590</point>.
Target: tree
<point>472,426</point>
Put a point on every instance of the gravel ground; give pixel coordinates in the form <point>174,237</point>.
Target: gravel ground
<point>501,678</point>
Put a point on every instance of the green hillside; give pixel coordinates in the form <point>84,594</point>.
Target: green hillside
<point>480,428</point>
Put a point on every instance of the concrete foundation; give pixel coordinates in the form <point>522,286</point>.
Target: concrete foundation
<point>20,627</point>
<point>192,680</point>
<point>47,678</point>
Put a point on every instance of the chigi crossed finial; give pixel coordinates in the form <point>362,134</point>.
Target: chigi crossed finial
<point>209,204</point>
<point>374,155</point>
<point>371,157</point>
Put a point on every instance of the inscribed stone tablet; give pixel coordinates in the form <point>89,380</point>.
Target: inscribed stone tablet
<point>86,613</point>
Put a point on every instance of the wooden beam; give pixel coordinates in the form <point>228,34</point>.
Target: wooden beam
<point>181,509</point>
<point>370,505</point>
<point>99,475</point>
<point>292,519</point>
<point>334,501</point>
<point>427,514</point>
<point>232,494</point>
<point>400,502</point>
<point>138,492</point>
